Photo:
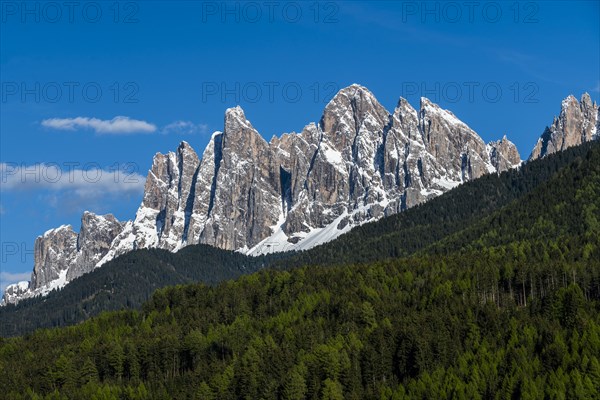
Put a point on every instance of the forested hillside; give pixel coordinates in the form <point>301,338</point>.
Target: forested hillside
<point>505,307</point>
<point>124,283</point>
<point>422,226</point>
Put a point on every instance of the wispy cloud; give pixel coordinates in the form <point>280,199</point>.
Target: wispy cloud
<point>123,126</point>
<point>7,278</point>
<point>184,128</point>
<point>52,177</point>
<point>72,189</point>
<point>117,126</point>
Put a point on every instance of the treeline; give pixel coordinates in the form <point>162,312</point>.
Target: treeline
<point>507,307</point>
<point>425,327</point>
<point>415,229</point>
<point>124,283</point>
<point>129,280</point>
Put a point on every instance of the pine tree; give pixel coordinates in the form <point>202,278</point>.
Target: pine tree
<point>332,390</point>
<point>295,386</point>
<point>89,372</point>
<point>204,392</point>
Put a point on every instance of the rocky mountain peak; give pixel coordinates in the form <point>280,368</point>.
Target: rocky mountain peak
<point>586,100</point>
<point>94,239</point>
<point>456,147</point>
<point>235,120</point>
<point>352,92</point>
<point>61,254</point>
<point>503,154</point>
<point>352,109</point>
<point>184,149</point>
<point>240,138</point>
<point>403,104</point>
<point>578,122</point>
<point>358,164</point>
<point>424,102</point>
<point>429,109</point>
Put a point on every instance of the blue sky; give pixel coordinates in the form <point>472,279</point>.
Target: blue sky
<point>91,92</point>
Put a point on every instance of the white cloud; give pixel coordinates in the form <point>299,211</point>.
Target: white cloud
<point>72,188</point>
<point>116,126</point>
<point>184,128</point>
<point>123,125</point>
<point>7,278</point>
<point>53,176</point>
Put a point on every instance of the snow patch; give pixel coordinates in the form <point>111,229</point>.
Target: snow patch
<point>54,230</point>
<point>446,183</point>
<point>333,157</point>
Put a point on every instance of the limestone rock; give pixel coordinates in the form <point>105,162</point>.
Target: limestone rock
<point>577,123</point>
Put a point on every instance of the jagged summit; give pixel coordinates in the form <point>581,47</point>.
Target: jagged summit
<point>184,146</point>
<point>235,115</point>
<point>61,255</point>
<point>402,102</point>
<point>352,90</point>
<point>503,154</point>
<point>358,164</point>
<point>425,102</point>
<point>578,122</point>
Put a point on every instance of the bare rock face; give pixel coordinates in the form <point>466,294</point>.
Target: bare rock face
<point>293,156</point>
<point>341,170</point>
<point>173,195</point>
<point>458,150</point>
<point>164,217</point>
<point>61,255</point>
<point>93,242</point>
<point>577,123</point>
<point>54,252</point>
<point>63,251</point>
<point>241,204</point>
<point>357,164</point>
<point>404,160</point>
<point>205,186</point>
<point>504,154</point>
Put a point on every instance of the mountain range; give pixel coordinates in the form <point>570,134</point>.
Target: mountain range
<point>491,290</point>
<point>359,163</point>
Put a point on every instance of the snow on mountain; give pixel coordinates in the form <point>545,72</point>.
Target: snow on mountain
<point>61,255</point>
<point>359,163</point>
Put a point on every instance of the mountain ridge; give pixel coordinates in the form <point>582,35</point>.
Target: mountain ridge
<point>513,316</point>
<point>128,280</point>
<point>358,164</point>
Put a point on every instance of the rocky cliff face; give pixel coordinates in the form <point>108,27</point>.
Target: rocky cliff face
<point>503,154</point>
<point>357,164</point>
<point>61,255</point>
<point>95,238</point>
<point>577,123</point>
<point>244,198</point>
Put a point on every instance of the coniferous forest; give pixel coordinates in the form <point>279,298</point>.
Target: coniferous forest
<point>128,281</point>
<point>491,291</point>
